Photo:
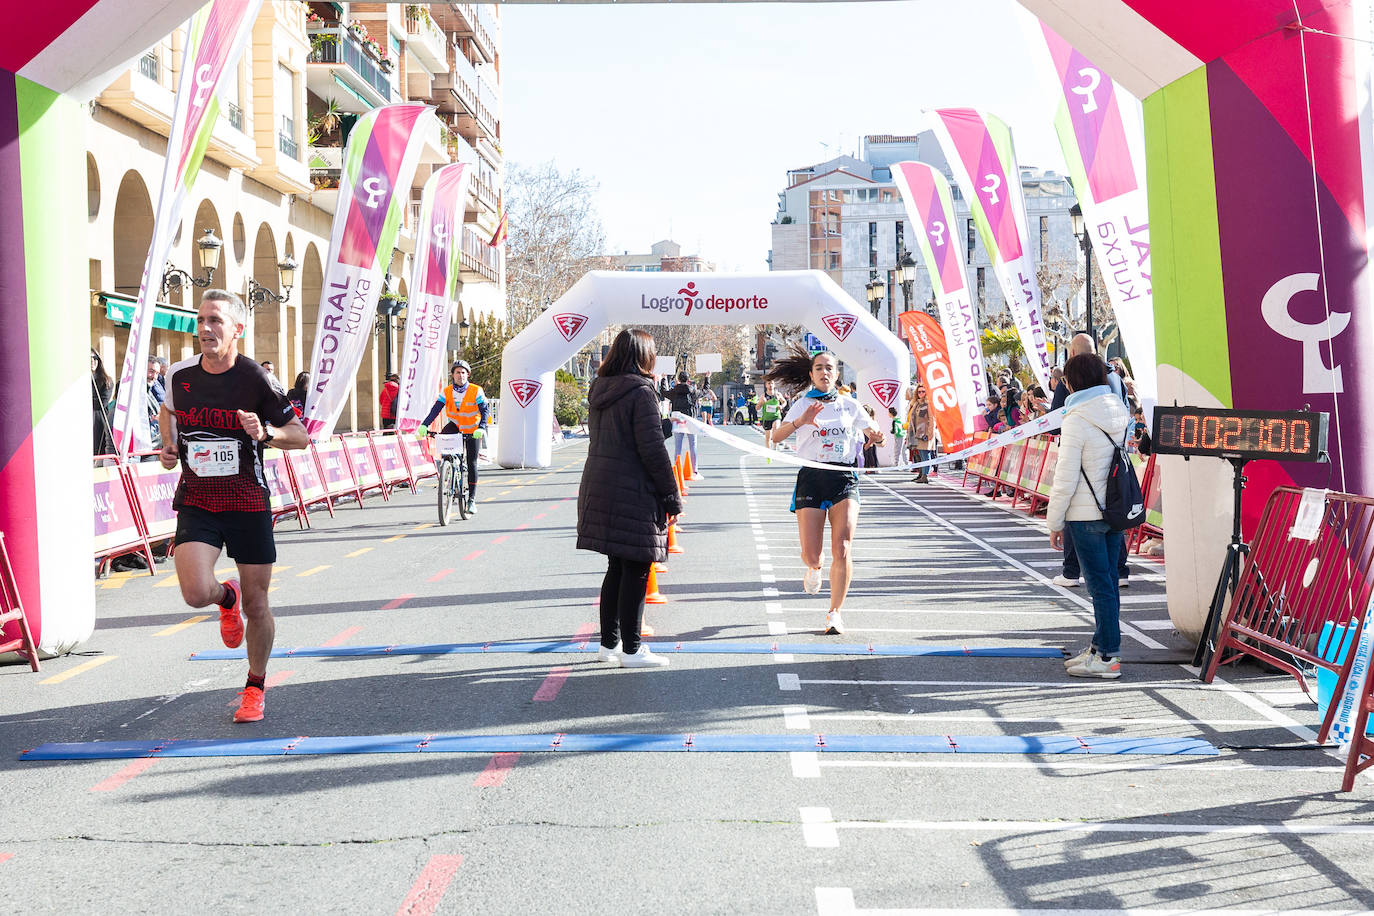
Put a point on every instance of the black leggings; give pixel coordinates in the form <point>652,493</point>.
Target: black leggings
<point>622,603</point>
<point>470,446</point>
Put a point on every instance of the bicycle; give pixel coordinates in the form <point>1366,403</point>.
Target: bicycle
<point>453,476</point>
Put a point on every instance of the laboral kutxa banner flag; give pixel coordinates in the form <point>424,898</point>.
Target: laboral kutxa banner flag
<point>1102,131</point>
<point>215,37</point>
<point>927,343</point>
<point>378,167</point>
<point>930,206</point>
<point>433,285</point>
<point>980,153</point>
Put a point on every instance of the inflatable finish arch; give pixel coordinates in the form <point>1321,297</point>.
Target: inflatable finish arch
<point>601,298</point>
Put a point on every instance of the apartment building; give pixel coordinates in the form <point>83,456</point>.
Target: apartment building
<point>845,216</point>
<point>269,184</point>
<point>665,255</point>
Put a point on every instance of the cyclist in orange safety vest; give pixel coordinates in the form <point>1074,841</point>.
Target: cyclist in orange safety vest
<point>465,411</point>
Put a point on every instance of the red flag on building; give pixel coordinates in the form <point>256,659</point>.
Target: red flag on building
<point>499,235</point>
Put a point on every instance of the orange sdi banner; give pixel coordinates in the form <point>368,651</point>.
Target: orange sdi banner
<point>927,340</point>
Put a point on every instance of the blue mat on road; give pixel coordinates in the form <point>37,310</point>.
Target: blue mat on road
<point>496,744</point>
<point>686,648</point>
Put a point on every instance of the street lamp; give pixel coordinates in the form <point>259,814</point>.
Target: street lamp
<point>1080,229</point>
<point>875,288</point>
<point>388,306</point>
<point>906,276</point>
<point>207,252</point>
<point>258,294</point>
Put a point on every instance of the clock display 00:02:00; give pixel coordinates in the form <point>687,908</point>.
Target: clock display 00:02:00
<point>1290,435</point>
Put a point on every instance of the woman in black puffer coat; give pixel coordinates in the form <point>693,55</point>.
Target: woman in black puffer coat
<point>627,493</point>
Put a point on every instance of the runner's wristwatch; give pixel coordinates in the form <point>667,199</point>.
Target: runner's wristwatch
<point>267,439</point>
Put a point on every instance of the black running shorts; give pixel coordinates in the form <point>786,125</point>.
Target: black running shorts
<point>817,489</point>
<point>247,535</point>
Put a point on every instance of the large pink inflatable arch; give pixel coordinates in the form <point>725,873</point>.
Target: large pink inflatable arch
<point>603,298</point>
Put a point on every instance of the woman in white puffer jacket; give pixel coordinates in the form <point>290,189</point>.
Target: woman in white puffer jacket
<point>1095,423</point>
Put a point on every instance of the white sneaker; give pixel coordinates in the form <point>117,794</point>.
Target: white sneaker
<point>1066,582</point>
<point>1123,583</point>
<point>696,477</point>
<point>642,659</point>
<point>610,656</point>
<point>1097,666</point>
<point>834,626</point>
<point>811,581</point>
<point>1080,658</point>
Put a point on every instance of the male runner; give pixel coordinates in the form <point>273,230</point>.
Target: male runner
<point>221,409</point>
<point>466,409</point>
<point>770,412</point>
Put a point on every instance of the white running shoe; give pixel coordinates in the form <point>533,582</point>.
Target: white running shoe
<point>1123,583</point>
<point>1065,582</point>
<point>643,658</point>
<point>834,626</point>
<point>1097,666</point>
<point>1080,658</point>
<point>811,581</point>
<point>610,656</point>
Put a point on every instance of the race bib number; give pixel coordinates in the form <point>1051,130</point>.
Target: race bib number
<point>213,458</point>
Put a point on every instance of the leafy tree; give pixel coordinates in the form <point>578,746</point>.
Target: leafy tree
<point>569,404</point>
<point>485,341</point>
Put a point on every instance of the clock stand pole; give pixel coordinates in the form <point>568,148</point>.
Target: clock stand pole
<point>1230,574</point>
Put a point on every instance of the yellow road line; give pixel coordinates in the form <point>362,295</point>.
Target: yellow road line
<point>116,580</point>
<point>396,537</point>
<point>424,526</point>
<point>356,553</point>
<point>79,669</point>
<point>311,572</point>
<point>178,627</point>
<point>502,493</point>
<point>277,569</point>
<point>170,582</point>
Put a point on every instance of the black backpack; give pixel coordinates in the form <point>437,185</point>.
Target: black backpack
<point>1124,506</point>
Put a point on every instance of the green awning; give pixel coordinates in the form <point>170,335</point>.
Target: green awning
<point>120,310</point>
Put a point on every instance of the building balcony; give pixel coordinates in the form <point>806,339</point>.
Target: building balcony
<point>479,260</point>
<point>484,194</point>
<point>488,151</point>
<point>427,42</point>
<point>342,68</point>
<point>139,96</point>
<point>456,90</point>
<point>486,31</point>
<point>281,165</point>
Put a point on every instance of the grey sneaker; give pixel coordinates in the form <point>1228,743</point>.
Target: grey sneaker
<point>1097,666</point>
<point>1078,659</point>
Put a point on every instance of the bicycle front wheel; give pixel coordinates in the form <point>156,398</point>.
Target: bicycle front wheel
<point>460,486</point>
<point>445,490</point>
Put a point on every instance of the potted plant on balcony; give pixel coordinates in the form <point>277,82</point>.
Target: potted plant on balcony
<point>384,60</point>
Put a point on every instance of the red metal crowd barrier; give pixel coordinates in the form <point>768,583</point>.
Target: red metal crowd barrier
<point>12,609</point>
<point>133,501</point>
<point>1292,588</point>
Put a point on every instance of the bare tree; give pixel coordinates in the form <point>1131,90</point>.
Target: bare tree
<point>554,237</point>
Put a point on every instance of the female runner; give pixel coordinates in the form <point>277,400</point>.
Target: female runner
<point>829,429</point>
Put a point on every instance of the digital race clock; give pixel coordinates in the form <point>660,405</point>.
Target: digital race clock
<point>1288,435</point>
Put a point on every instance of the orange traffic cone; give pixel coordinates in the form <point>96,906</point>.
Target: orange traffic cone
<point>651,592</point>
<point>688,472</point>
<point>660,567</point>
<point>673,545</point>
<point>680,477</point>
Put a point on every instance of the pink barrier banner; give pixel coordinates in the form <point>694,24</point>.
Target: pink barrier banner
<point>338,479</point>
<point>364,464</point>
<point>157,487</point>
<point>278,480</point>
<point>389,454</point>
<point>311,488</point>
<point>421,463</point>
<point>115,524</point>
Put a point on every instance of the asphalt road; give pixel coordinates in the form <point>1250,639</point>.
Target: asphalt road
<point>807,830</point>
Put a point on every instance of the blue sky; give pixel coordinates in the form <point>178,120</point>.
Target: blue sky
<point>689,115</point>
